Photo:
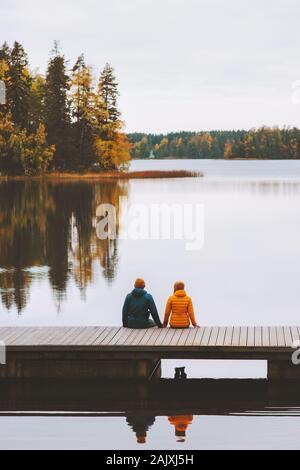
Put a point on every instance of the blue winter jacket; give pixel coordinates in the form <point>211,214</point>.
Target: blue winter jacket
<point>138,307</point>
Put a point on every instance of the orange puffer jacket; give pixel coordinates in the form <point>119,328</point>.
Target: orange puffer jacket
<point>181,423</point>
<point>180,308</point>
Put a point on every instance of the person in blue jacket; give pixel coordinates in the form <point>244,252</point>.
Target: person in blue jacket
<point>138,307</point>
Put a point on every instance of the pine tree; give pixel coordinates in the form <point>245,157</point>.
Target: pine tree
<point>108,90</point>
<point>57,110</point>
<point>19,86</point>
<point>112,146</point>
<point>83,112</point>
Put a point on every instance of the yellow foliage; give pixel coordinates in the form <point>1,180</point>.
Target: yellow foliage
<point>113,153</point>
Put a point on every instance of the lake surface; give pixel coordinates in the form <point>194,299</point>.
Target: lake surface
<point>204,432</point>
<point>54,270</point>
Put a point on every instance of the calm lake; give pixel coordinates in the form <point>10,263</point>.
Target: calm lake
<point>54,270</point>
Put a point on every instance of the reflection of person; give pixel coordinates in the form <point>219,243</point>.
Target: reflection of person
<point>180,308</point>
<point>138,307</point>
<point>181,424</point>
<point>140,425</point>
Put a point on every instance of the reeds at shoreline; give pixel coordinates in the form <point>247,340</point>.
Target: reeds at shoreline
<point>154,174</point>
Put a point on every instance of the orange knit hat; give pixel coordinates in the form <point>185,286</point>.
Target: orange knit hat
<point>140,284</point>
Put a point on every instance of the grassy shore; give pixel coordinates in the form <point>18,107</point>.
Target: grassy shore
<point>114,175</point>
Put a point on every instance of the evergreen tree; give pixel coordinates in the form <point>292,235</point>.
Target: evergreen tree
<point>57,111</point>
<point>108,90</point>
<point>19,86</point>
<point>83,112</point>
<point>111,145</point>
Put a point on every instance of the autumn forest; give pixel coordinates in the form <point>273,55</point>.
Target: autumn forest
<point>65,120</point>
<point>68,120</point>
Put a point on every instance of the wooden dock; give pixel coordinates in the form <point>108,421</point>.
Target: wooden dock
<point>112,352</point>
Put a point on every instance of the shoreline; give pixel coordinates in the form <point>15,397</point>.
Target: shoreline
<point>112,175</point>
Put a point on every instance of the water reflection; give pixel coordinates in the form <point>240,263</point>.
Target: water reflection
<point>48,229</point>
<point>140,426</point>
<point>181,424</point>
<point>147,409</point>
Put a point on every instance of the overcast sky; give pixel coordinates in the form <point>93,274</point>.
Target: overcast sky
<point>181,64</point>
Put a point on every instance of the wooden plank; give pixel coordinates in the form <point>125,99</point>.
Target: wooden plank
<point>228,336</point>
<point>71,339</point>
<point>108,338</point>
<point>101,337</point>
<point>265,336</point>
<point>169,336</point>
<point>258,336</point>
<point>221,336</point>
<point>280,336</point>
<point>149,333</point>
<point>236,336</point>
<point>295,334</point>
<point>28,338</point>
<point>198,337</point>
<point>137,339</point>
<point>191,337</point>
<point>131,337</point>
<point>118,339</point>
<point>251,337</point>
<point>14,333</point>
<point>243,336</point>
<point>287,336</point>
<point>52,336</point>
<point>214,336</point>
<point>206,336</point>
<point>60,336</point>
<point>273,337</point>
<point>153,338</point>
<point>239,337</point>
<point>83,336</point>
<point>184,337</point>
<point>176,337</point>
<point>100,331</point>
<point>5,332</point>
<point>159,339</point>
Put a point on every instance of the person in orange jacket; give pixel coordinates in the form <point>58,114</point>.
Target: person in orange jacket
<point>180,308</point>
<point>181,424</point>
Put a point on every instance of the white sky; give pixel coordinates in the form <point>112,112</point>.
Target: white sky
<point>181,64</point>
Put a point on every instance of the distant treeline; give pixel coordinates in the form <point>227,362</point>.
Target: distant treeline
<point>263,143</point>
<point>63,120</point>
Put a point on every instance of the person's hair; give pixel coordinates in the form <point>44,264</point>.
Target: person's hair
<point>140,284</point>
<point>179,286</point>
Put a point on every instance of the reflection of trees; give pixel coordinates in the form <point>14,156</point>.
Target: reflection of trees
<point>53,225</point>
<point>23,219</point>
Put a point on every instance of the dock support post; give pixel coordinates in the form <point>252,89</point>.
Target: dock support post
<point>283,370</point>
